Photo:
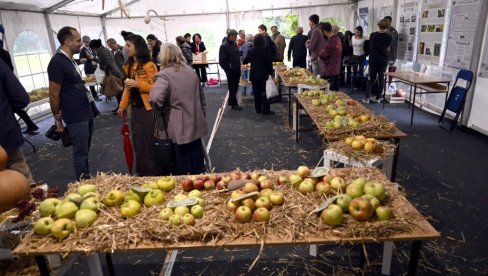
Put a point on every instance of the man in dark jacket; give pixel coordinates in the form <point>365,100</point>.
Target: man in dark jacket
<point>12,97</point>
<point>229,61</point>
<point>297,46</point>
<point>88,59</point>
<point>268,42</point>
<point>331,57</point>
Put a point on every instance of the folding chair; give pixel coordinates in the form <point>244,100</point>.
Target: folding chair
<point>457,98</point>
<point>359,75</point>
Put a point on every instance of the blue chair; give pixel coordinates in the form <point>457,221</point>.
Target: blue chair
<point>457,99</point>
<point>360,75</point>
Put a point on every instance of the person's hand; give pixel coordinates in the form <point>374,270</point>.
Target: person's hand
<point>121,112</point>
<point>83,60</point>
<point>59,126</point>
<point>130,83</point>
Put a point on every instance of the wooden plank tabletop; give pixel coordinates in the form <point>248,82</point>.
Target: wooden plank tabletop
<point>417,78</point>
<point>419,229</point>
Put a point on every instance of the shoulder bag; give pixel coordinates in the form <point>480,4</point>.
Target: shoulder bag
<point>164,152</point>
<point>112,86</point>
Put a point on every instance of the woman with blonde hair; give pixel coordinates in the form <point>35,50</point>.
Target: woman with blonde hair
<point>179,105</point>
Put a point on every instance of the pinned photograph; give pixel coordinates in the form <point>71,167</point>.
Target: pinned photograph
<point>431,28</point>
<point>423,28</point>
<point>407,20</point>
<point>409,47</point>
<point>437,49</point>
<point>441,13</point>
<point>425,14</point>
<point>400,37</point>
<point>428,52</point>
<point>412,31</point>
<point>402,19</point>
<point>439,28</point>
<point>422,47</point>
<point>414,18</point>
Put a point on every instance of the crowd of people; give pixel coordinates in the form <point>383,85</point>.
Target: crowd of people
<point>162,86</point>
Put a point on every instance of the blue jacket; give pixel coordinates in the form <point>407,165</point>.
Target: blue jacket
<point>12,97</point>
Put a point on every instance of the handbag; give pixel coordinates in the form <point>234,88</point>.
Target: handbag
<point>112,86</point>
<point>164,151</point>
<point>272,94</point>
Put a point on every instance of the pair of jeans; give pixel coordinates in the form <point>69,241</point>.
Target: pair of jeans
<point>80,134</point>
<point>376,76</point>
<point>260,101</point>
<point>316,67</point>
<point>233,85</point>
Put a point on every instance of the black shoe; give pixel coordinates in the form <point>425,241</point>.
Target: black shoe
<point>236,107</point>
<point>269,112</point>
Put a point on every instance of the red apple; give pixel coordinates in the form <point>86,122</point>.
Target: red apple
<point>226,178</point>
<point>243,214</point>
<point>303,171</point>
<point>360,209</point>
<point>282,180</point>
<point>323,188</point>
<point>187,184</point>
<point>198,184</point>
<point>248,202</point>
<point>215,178</point>
<point>246,176</point>
<point>255,175</point>
<point>250,187</point>
<point>263,202</point>
<point>209,185</point>
<point>232,205</point>
<point>332,215</point>
<point>266,184</point>
<point>327,178</point>
<point>203,177</point>
<point>373,200</point>
<point>261,215</point>
<point>277,198</point>
<point>235,175</point>
<point>221,185</point>
<point>266,192</point>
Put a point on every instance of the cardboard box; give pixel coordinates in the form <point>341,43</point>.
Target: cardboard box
<point>200,58</point>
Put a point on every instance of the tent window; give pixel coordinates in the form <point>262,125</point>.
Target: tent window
<point>31,58</point>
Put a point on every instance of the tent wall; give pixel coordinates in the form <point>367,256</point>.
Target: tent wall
<point>342,12</point>
<point>91,26</point>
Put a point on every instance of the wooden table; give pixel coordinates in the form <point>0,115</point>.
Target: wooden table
<point>419,230</point>
<point>396,134</point>
<point>430,85</point>
<point>210,62</point>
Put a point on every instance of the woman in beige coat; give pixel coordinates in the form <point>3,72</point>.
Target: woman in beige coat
<point>179,100</point>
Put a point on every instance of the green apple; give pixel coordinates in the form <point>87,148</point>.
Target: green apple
<point>150,185</point>
<point>86,188</point>
<point>114,198</point>
<point>266,192</point>
<point>195,193</point>
<point>166,183</point>
<point>61,228</point>
<point>332,215</point>
<point>303,171</point>
<point>359,181</point>
<point>384,213</point>
<point>66,210</point>
<point>261,215</point>
<point>153,198</point>
<point>188,219</point>
<point>243,214</point>
<point>166,213</point>
<point>337,183</point>
<point>180,197</point>
<point>48,206</point>
<point>233,205</point>
<point>181,210</point>
<point>343,201</point>
<point>43,226</point>
<point>277,198</point>
<point>85,218</point>
<point>201,201</point>
<point>130,208</point>
<point>91,203</point>
<point>354,190</point>
<point>248,202</point>
<point>73,198</point>
<point>323,188</point>
<point>176,220</point>
<point>131,195</point>
<point>197,211</point>
<point>263,202</point>
<point>373,200</point>
<point>295,179</point>
<point>376,189</point>
<point>306,187</point>
<point>91,194</point>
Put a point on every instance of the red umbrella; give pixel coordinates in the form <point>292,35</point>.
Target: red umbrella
<point>129,156</point>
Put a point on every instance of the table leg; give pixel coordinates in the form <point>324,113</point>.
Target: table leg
<point>313,250</point>
<point>413,103</point>
<point>110,265</point>
<point>42,265</point>
<point>410,96</point>
<point>414,257</point>
<point>296,112</point>
<point>289,106</point>
<point>395,159</point>
<point>362,257</point>
<point>169,262</point>
<point>387,253</point>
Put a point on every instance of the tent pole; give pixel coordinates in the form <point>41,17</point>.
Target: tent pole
<point>104,28</point>
<point>50,33</point>
<point>227,13</point>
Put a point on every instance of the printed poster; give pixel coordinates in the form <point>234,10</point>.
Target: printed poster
<point>432,19</point>
<point>483,73</point>
<point>463,29</point>
<point>363,18</point>
<point>407,30</point>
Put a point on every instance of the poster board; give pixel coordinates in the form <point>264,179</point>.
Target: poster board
<point>463,29</point>
<point>431,29</point>
<point>407,29</point>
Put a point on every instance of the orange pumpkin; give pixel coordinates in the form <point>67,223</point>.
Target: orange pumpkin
<point>13,187</point>
<point>3,158</point>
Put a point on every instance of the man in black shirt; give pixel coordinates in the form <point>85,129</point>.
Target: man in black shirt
<point>297,46</point>
<point>230,61</point>
<point>70,100</point>
<point>378,61</point>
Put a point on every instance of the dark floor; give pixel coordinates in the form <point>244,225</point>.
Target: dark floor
<point>444,175</point>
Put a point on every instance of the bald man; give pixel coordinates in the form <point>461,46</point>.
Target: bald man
<point>297,46</point>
